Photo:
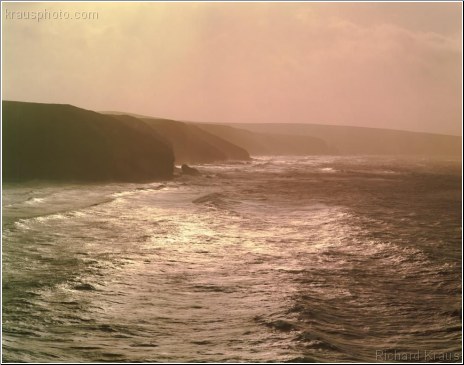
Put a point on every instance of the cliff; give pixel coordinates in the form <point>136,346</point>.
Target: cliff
<point>63,142</point>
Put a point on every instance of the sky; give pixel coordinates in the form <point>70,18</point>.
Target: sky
<point>381,65</point>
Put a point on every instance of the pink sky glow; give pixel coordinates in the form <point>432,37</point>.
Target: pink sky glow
<point>383,65</point>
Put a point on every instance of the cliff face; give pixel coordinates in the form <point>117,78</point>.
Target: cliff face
<point>192,144</point>
<point>63,142</point>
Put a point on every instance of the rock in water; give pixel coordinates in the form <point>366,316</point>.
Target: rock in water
<point>84,286</point>
<point>187,170</point>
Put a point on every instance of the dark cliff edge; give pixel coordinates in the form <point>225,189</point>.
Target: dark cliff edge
<point>60,142</point>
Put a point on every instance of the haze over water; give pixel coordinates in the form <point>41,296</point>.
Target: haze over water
<point>277,259</point>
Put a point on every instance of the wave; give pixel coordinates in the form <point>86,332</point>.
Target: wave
<point>21,222</point>
<point>328,169</point>
<point>139,189</point>
<point>32,201</point>
<point>215,199</point>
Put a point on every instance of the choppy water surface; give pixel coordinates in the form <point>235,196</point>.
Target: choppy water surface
<point>279,259</point>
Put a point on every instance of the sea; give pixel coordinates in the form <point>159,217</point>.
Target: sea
<point>277,259</point>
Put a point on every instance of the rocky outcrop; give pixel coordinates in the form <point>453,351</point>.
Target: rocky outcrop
<point>187,170</point>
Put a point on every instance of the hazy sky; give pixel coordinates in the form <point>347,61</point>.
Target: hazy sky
<point>388,65</point>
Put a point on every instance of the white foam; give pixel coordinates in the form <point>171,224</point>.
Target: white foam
<point>33,201</point>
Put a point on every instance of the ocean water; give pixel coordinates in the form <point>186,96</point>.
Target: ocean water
<point>277,259</point>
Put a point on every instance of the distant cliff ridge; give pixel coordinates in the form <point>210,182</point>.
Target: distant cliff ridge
<point>62,142</point>
<point>263,143</point>
<point>367,141</point>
